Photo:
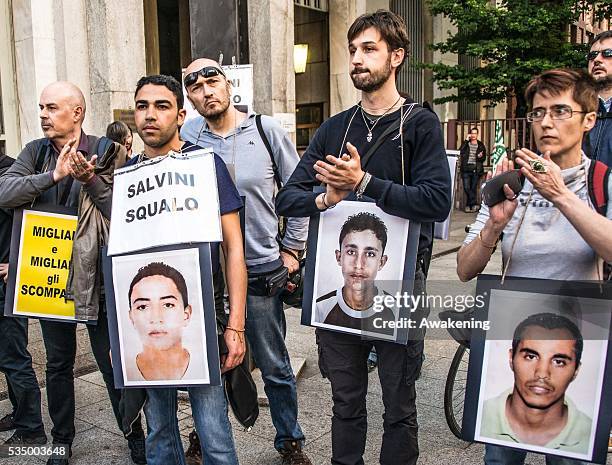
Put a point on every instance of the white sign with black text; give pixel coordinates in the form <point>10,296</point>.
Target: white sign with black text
<point>165,201</point>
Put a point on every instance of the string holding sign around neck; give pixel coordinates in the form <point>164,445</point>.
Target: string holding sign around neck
<point>370,129</point>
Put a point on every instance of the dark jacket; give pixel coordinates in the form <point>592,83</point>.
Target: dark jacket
<point>85,278</point>
<point>597,144</point>
<point>464,155</point>
<point>425,195</point>
<point>30,181</point>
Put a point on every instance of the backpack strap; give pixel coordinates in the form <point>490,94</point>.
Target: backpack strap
<point>102,146</point>
<point>40,158</point>
<point>266,142</point>
<point>598,178</point>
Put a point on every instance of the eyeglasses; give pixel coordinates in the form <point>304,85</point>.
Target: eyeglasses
<point>556,112</point>
<point>206,72</point>
<point>606,53</point>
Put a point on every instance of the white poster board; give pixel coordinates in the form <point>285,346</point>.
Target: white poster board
<point>155,199</point>
<point>442,229</point>
<point>241,77</point>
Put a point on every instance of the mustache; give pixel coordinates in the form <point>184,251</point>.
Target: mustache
<point>360,70</point>
<point>541,384</point>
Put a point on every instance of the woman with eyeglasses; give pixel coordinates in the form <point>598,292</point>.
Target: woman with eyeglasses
<point>551,230</point>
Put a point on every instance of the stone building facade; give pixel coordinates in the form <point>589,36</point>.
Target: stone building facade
<point>105,46</point>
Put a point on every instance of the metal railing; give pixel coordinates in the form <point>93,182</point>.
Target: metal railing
<point>516,131</point>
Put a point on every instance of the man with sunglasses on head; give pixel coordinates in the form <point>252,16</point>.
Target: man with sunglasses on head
<point>263,158</point>
<point>598,142</point>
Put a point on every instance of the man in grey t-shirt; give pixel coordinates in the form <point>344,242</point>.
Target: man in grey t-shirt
<point>234,136</point>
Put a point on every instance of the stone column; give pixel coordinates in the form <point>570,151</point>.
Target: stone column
<point>35,59</point>
<point>342,13</point>
<point>441,27</point>
<point>116,57</point>
<point>271,39</point>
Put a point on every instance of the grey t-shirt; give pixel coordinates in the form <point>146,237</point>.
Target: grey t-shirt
<point>548,246</point>
<point>244,149</point>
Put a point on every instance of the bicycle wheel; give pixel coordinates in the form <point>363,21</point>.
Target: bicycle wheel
<point>454,390</point>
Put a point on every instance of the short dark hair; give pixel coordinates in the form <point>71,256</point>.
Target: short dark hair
<point>161,269</point>
<point>392,29</point>
<point>118,131</point>
<point>549,321</point>
<point>600,37</point>
<point>474,129</point>
<point>364,221</point>
<point>163,80</point>
<point>556,81</point>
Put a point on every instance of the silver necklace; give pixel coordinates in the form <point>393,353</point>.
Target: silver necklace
<point>370,129</point>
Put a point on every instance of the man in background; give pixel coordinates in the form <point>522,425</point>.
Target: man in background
<point>598,142</point>
<point>472,155</point>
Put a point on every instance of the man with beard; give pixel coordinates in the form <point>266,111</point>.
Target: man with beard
<point>545,360</point>
<point>262,157</point>
<point>598,142</point>
<point>158,115</point>
<point>407,175</point>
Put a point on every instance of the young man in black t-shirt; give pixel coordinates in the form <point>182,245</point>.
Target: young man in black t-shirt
<point>407,176</point>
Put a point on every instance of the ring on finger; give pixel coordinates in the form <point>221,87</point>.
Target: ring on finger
<point>537,166</point>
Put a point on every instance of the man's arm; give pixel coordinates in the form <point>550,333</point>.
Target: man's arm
<point>237,286</point>
<point>296,198</point>
<point>20,184</point>
<point>286,159</point>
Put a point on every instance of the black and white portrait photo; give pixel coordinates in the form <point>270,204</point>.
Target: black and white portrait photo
<point>542,373</point>
<point>360,260</point>
<point>161,324</point>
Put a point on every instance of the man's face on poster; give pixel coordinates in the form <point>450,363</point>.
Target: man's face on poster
<point>544,365</point>
<point>158,312</point>
<point>361,257</point>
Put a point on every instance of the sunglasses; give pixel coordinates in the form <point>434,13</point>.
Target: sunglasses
<point>206,72</point>
<point>606,53</point>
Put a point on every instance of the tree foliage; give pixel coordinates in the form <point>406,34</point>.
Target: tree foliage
<point>514,39</point>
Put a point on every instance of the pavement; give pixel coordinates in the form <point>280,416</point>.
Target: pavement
<point>99,442</point>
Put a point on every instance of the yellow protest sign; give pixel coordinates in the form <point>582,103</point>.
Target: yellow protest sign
<point>45,251</point>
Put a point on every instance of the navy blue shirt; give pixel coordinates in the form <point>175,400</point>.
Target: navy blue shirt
<point>229,198</point>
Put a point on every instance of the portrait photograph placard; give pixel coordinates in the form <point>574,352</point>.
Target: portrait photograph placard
<point>40,257</point>
<point>359,259</point>
<point>162,320</point>
<point>536,378</point>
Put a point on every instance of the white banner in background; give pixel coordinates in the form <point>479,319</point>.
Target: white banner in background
<point>165,201</point>
<point>442,229</point>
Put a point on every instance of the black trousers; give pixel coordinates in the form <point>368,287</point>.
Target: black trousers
<point>16,364</point>
<point>343,360</point>
<point>60,344</point>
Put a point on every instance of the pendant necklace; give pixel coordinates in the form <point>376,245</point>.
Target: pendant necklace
<point>370,129</point>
